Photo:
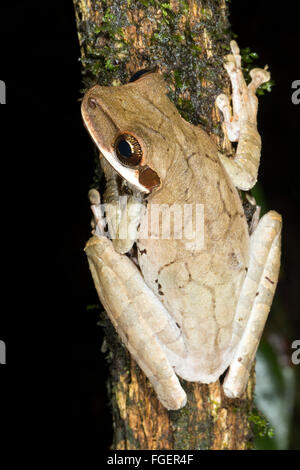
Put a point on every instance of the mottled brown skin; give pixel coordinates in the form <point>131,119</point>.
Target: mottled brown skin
<point>199,288</point>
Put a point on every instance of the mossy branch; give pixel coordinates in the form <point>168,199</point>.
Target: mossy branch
<point>186,40</point>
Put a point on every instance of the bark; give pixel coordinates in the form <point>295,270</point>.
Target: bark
<point>186,40</point>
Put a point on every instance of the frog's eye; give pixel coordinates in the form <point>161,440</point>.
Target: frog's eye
<point>128,150</point>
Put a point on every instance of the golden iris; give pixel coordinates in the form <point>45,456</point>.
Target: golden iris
<point>128,150</point>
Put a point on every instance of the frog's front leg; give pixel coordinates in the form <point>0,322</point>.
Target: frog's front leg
<point>144,325</point>
<point>241,126</point>
<point>255,300</point>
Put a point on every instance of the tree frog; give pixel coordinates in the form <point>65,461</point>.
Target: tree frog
<point>183,307</point>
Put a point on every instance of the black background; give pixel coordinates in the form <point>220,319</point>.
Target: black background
<point>55,372</point>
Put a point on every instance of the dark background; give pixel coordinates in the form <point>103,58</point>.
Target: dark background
<point>54,365</point>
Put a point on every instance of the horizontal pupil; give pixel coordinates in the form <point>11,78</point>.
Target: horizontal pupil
<point>128,150</point>
<point>125,149</point>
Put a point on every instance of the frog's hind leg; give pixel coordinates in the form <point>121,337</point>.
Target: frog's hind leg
<point>256,297</point>
<point>144,325</point>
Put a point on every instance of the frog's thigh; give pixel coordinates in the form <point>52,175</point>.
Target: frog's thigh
<point>255,300</point>
<point>144,325</point>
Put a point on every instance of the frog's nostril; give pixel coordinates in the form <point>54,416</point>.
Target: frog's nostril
<point>92,103</point>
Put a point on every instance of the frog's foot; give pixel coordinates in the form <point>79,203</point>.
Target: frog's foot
<point>98,222</point>
<point>240,120</point>
<point>144,325</point>
<point>256,297</point>
<point>123,210</point>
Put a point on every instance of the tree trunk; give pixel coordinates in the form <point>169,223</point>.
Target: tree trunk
<point>186,40</point>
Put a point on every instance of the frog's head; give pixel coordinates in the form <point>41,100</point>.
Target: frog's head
<point>133,126</point>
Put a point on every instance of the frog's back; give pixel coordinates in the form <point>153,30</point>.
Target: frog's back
<point>200,287</point>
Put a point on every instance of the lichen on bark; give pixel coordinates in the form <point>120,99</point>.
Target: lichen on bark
<point>186,41</point>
